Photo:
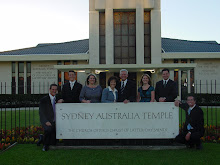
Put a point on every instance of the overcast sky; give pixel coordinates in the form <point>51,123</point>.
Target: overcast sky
<point>25,23</point>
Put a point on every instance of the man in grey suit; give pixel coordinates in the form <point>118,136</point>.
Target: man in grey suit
<point>48,116</point>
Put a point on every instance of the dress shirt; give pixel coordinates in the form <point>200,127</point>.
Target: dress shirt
<point>189,127</point>
<point>52,98</point>
<point>165,81</point>
<point>72,84</point>
<point>190,109</point>
<point>114,92</point>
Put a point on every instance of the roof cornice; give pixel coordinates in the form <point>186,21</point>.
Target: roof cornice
<point>44,57</point>
<point>191,55</point>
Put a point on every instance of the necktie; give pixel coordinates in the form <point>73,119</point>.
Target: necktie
<point>189,111</point>
<point>165,84</point>
<point>54,108</point>
<point>189,126</point>
<point>122,87</point>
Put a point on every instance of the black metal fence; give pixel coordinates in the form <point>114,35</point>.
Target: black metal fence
<point>20,112</point>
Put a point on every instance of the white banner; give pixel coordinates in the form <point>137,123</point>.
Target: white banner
<point>117,121</point>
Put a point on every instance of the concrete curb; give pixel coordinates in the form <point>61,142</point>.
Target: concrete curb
<point>120,147</point>
<point>9,147</point>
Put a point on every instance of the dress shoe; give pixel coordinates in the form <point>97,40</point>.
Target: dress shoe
<point>41,138</point>
<point>190,146</point>
<point>45,148</point>
<point>199,146</point>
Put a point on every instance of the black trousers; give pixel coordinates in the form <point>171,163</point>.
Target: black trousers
<point>50,135</point>
<point>194,138</point>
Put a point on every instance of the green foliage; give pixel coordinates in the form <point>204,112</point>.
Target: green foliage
<point>211,116</point>
<point>20,100</point>
<point>205,99</point>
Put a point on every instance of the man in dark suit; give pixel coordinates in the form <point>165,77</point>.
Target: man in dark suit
<point>194,125</point>
<point>166,89</point>
<point>71,90</point>
<point>48,116</point>
<point>126,88</point>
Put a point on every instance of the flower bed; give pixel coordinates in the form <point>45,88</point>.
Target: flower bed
<point>31,135</point>
<point>3,146</point>
<point>212,133</point>
<point>22,135</point>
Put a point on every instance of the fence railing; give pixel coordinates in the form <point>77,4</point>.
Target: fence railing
<point>19,112</point>
<point>198,87</point>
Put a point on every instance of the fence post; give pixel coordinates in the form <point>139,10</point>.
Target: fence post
<point>5,115</point>
<point>1,114</point>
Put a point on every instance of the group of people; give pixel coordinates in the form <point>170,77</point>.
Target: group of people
<point>117,91</point>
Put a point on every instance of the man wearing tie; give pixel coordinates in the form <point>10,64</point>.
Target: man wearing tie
<point>126,88</point>
<point>47,114</point>
<point>194,125</point>
<point>71,90</point>
<point>166,89</point>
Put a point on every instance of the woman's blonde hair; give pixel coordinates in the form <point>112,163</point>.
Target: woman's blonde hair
<point>149,82</point>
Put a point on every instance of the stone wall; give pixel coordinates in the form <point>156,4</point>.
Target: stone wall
<point>207,76</point>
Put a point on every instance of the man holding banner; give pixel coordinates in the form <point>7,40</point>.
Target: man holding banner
<point>71,90</point>
<point>47,114</point>
<point>126,88</point>
<point>166,89</point>
<point>194,125</point>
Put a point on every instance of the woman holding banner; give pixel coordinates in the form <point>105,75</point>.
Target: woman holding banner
<point>146,92</point>
<point>91,93</point>
<point>110,94</point>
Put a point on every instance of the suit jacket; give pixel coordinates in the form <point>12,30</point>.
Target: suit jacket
<point>46,110</point>
<point>170,91</point>
<point>195,119</point>
<point>71,96</point>
<point>108,96</point>
<point>129,91</point>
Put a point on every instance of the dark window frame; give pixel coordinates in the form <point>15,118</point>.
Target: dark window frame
<point>124,58</point>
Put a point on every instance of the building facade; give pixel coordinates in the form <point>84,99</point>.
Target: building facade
<point>122,34</point>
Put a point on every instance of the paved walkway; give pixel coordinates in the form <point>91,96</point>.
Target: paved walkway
<point>175,147</point>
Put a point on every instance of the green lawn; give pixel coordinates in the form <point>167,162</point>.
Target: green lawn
<point>211,112</point>
<point>32,118</point>
<point>23,154</point>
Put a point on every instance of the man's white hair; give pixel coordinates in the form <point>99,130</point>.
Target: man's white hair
<point>124,70</point>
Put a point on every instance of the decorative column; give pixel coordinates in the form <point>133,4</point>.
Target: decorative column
<point>16,76</point>
<point>156,33</point>
<point>109,32</point>
<point>139,31</point>
<point>172,74</point>
<point>93,37</point>
<point>188,81</point>
<point>25,77</point>
<point>179,83</point>
<point>62,74</point>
